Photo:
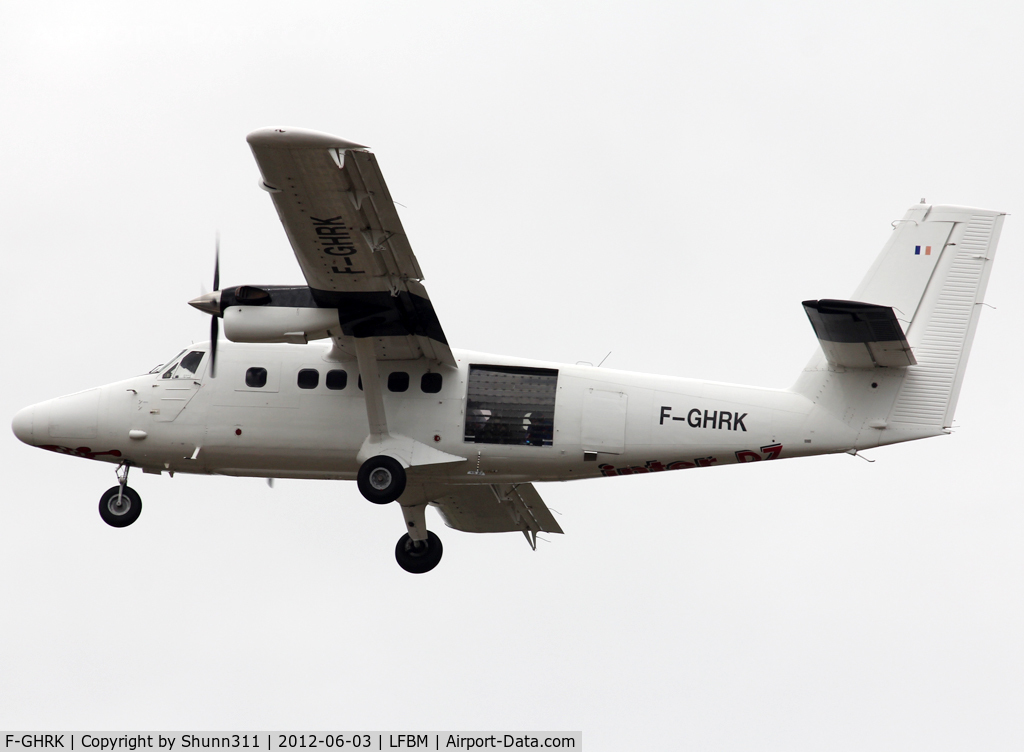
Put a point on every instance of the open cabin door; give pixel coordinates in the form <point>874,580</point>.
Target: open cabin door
<point>603,427</point>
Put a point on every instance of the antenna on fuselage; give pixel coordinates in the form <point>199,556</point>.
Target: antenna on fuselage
<point>856,453</point>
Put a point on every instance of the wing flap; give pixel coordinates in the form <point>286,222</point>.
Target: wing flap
<point>494,508</point>
<point>859,335</point>
<point>384,231</point>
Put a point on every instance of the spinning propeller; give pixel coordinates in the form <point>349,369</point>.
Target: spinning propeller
<point>211,303</point>
<point>214,325</point>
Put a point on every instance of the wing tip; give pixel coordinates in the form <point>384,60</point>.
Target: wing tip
<point>288,137</point>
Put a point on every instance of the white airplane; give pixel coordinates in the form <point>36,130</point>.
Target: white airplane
<point>388,403</point>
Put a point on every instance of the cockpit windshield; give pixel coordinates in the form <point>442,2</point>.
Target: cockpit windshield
<point>156,369</point>
<point>187,368</point>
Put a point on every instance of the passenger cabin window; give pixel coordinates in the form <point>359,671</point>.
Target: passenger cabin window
<point>398,381</point>
<point>256,377</point>
<point>430,383</point>
<point>509,405</point>
<point>309,378</point>
<point>337,379</point>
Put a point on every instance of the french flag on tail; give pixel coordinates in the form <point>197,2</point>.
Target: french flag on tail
<point>927,250</point>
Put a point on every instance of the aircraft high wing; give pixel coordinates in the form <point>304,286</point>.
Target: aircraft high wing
<point>349,241</point>
<point>390,405</point>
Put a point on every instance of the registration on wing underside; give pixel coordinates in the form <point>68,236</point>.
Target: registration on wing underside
<point>349,241</point>
<point>342,223</point>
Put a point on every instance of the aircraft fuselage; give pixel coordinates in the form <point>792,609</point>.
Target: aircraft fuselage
<point>294,422</point>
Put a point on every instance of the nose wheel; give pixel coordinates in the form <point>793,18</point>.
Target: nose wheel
<point>418,556</point>
<point>381,479</point>
<point>120,506</point>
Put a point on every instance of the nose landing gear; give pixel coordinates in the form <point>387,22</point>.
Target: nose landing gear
<point>120,506</point>
<point>419,550</point>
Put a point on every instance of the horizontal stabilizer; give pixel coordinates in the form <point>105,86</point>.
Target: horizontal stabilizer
<point>859,335</point>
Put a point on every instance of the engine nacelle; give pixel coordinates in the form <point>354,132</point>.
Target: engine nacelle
<point>279,324</point>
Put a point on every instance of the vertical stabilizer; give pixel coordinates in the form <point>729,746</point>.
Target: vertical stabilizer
<point>932,273</point>
<point>942,328</point>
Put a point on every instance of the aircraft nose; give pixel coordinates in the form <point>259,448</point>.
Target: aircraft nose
<point>23,425</point>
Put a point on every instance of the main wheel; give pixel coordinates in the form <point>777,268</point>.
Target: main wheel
<point>381,479</point>
<point>418,556</point>
<point>120,514</point>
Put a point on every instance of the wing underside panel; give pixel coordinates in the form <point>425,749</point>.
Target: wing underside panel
<point>349,241</point>
<point>494,508</point>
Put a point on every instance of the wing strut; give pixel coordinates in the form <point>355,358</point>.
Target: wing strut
<point>381,441</point>
<point>366,355</point>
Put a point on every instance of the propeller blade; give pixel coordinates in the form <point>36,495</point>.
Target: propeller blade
<point>216,263</point>
<point>214,333</point>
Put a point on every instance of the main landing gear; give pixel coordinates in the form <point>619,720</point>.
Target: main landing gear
<point>381,479</point>
<point>120,506</point>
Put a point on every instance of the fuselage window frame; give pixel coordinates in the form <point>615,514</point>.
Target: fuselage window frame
<point>398,381</point>
<point>308,378</point>
<point>431,382</point>
<point>336,379</point>
<point>256,377</point>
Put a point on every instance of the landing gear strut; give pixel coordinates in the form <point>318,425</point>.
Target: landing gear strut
<point>381,479</point>
<point>120,506</point>
<point>418,556</point>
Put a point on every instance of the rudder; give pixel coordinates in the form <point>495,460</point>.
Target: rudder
<point>942,330</point>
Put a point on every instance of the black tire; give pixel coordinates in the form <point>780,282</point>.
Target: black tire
<point>381,479</point>
<point>418,558</point>
<point>131,507</point>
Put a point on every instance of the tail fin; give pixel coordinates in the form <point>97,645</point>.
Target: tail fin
<point>933,273</point>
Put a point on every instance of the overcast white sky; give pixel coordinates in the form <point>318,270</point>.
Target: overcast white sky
<point>666,181</point>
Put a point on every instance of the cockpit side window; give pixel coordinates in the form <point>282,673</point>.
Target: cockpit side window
<point>189,364</point>
<point>170,369</point>
<point>187,368</point>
